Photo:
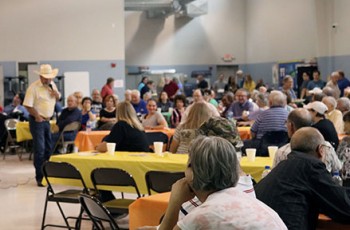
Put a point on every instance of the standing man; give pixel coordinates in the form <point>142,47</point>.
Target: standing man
<point>343,82</point>
<point>40,100</point>
<point>107,89</point>
<point>219,86</point>
<point>171,88</point>
<point>202,83</point>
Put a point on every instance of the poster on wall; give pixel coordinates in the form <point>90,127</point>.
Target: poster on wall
<point>288,68</point>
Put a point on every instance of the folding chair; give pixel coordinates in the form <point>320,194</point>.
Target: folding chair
<point>161,181</point>
<point>70,176</point>
<point>116,178</point>
<point>11,143</point>
<point>98,213</point>
<point>157,136</point>
<point>71,127</point>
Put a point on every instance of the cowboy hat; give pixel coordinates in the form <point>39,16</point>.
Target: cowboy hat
<point>46,71</point>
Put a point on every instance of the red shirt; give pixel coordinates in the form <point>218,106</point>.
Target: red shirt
<point>171,89</point>
<point>106,90</point>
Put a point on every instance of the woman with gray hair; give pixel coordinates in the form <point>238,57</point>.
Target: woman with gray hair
<point>211,175</point>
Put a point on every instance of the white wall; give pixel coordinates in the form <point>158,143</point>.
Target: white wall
<point>341,34</point>
<point>61,30</point>
<point>201,40</point>
<point>280,30</point>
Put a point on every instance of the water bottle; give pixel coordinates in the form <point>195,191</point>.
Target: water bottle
<point>266,171</point>
<point>230,115</point>
<point>88,126</point>
<point>337,179</point>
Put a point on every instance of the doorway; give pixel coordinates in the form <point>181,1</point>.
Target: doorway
<point>227,70</point>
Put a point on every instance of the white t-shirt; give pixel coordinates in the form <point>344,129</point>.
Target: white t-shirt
<point>232,209</point>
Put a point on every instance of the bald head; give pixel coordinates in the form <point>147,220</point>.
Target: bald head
<point>300,118</point>
<point>307,140</point>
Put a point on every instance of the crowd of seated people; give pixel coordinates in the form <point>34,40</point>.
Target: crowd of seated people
<point>313,146</point>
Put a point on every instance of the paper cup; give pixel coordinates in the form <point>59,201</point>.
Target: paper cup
<point>251,154</point>
<point>111,148</point>
<point>272,151</point>
<point>158,148</point>
<point>159,110</point>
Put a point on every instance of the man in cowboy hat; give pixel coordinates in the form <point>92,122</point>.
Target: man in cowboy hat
<point>40,100</point>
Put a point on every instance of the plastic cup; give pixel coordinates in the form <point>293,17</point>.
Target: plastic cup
<point>251,154</point>
<point>159,110</point>
<point>171,110</point>
<point>111,148</point>
<point>272,151</point>
<point>158,148</point>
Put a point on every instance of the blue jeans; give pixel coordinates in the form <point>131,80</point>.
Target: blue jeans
<point>41,133</point>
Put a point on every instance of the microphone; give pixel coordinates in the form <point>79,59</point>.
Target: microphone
<point>50,85</point>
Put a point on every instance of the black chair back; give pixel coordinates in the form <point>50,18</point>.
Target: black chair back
<point>97,212</point>
<point>113,177</point>
<point>161,181</point>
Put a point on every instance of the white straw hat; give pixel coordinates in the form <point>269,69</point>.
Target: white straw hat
<point>46,71</point>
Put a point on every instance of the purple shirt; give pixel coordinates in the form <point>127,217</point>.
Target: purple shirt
<point>238,108</point>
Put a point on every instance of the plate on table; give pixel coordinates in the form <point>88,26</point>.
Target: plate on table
<point>86,154</point>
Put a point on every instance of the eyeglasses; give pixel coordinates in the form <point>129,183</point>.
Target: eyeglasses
<point>322,147</point>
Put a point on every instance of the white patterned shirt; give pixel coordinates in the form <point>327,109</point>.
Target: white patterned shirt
<point>331,159</point>
<point>232,209</point>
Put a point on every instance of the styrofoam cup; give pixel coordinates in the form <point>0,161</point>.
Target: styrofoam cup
<point>111,148</point>
<point>251,154</point>
<point>158,147</point>
<point>272,151</point>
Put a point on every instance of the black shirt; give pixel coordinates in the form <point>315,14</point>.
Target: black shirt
<point>127,138</point>
<point>104,113</point>
<point>299,188</point>
<point>328,132</point>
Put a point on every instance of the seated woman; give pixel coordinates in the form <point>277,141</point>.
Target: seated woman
<point>108,114</point>
<point>153,119</point>
<point>224,205</point>
<point>343,151</point>
<point>127,133</point>
<point>164,103</point>
<point>180,106</point>
<point>86,113</point>
<point>186,132</point>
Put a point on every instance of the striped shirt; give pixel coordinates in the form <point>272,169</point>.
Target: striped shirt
<point>273,119</point>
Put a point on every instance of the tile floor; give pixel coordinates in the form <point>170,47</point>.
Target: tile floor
<point>22,202</point>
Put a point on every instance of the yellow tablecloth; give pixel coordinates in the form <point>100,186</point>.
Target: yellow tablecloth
<point>23,131</point>
<point>138,164</point>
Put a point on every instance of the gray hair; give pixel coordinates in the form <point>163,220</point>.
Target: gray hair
<point>328,91</point>
<point>277,98</point>
<point>262,98</point>
<point>331,100</point>
<point>300,117</point>
<point>306,140</point>
<point>135,92</point>
<point>343,104</point>
<point>214,164</point>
